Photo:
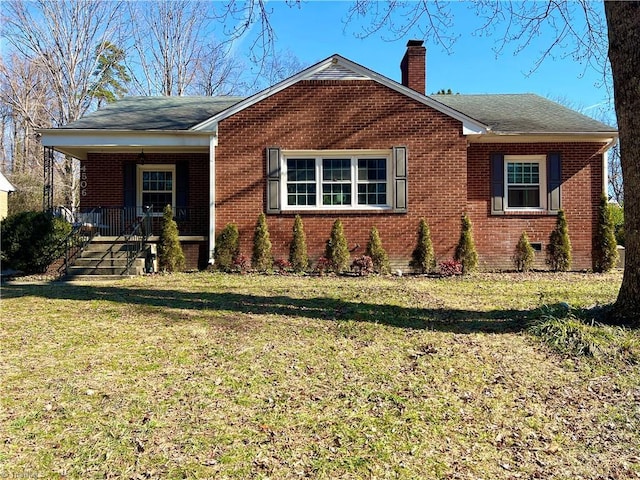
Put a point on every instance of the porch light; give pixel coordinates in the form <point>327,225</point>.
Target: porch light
<point>141,157</point>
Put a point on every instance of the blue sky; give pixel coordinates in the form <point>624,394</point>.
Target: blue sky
<point>316,30</point>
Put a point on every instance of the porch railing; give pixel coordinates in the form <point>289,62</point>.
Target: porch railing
<point>116,221</point>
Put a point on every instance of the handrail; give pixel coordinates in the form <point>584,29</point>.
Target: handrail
<point>137,238</point>
<point>74,243</point>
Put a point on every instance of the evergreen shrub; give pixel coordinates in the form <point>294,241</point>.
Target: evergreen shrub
<point>376,252</point>
<point>525,255</point>
<point>606,247</point>
<point>298,249</point>
<point>337,251</point>
<point>227,247</point>
<point>559,248</point>
<point>465,252</point>
<point>170,254</point>
<point>31,241</point>
<point>423,259</point>
<point>262,260</point>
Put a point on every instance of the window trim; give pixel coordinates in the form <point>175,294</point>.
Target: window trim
<point>155,168</point>
<point>541,160</point>
<point>353,156</point>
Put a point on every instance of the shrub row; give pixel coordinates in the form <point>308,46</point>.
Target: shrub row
<point>336,256</point>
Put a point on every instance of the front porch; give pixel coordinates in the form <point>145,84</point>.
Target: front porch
<point>110,230</point>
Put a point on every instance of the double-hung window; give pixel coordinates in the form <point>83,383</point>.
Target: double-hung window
<point>156,187</point>
<point>336,180</point>
<point>525,182</point>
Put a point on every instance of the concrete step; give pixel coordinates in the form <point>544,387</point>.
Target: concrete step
<point>101,262</point>
<point>76,270</point>
<point>103,254</point>
<point>106,247</point>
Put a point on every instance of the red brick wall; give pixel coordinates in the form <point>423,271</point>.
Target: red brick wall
<point>105,177</point>
<point>332,114</point>
<point>497,235</point>
<point>344,115</point>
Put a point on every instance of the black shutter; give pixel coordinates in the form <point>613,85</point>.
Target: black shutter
<point>497,183</point>
<point>273,180</point>
<point>400,186</point>
<point>182,191</point>
<point>129,170</point>
<point>554,181</point>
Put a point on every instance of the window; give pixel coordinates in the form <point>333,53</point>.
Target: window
<point>336,180</point>
<point>156,187</point>
<point>525,182</point>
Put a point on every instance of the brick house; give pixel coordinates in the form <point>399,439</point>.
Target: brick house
<point>338,140</point>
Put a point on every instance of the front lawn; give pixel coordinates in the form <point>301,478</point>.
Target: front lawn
<point>227,376</point>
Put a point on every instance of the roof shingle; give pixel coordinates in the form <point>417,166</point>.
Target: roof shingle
<point>522,113</point>
<point>154,113</point>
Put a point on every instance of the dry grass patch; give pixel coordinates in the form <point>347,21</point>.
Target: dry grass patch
<point>215,376</point>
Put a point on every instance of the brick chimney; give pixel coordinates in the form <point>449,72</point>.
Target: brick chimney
<point>414,66</point>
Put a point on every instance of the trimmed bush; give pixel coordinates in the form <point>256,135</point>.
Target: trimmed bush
<point>362,266</point>
<point>605,255</point>
<point>31,241</point>
<point>227,247</point>
<point>559,248</point>
<point>170,254</point>
<point>466,249</point>
<point>524,256</point>
<point>450,268</point>
<point>261,259</point>
<point>298,249</point>
<point>423,259</point>
<point>337,251</point>
<point>376,252</point>
<point>323,265</point>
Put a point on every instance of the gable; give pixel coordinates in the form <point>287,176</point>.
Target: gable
<point>339,68</point>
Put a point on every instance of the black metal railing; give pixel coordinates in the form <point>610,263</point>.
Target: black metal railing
<point>74,243</point>
<point>115,221</point>
<point>136,240</point>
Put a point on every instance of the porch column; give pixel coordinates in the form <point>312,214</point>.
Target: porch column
<point>47,189</point>
<point>213,142</point>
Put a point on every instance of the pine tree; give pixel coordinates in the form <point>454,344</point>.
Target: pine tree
<point>559,248</point>
<point>261,258</point>
<point>466,249</point>
<point>423,259</point>
<point>227,247</point>
<point>337,251</point>
<point>298,249</point>
<point>170,254</point>
<point>377,253</point>
<point>606,251</point>
<point>524,256</point>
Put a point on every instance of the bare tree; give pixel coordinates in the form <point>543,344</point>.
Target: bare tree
<point>217,72</point>
<point>168,42</point>
<point>62,37</point>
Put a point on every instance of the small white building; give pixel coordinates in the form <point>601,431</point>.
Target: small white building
<point>5,188</point>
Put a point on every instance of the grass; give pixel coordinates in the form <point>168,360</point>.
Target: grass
<point>216,376</point>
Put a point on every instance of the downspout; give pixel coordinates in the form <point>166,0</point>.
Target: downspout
<point>213,143</point>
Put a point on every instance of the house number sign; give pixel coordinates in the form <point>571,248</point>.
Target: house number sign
<point>83,181</point>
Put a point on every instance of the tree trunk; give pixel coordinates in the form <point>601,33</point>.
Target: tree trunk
<point>623,23</point>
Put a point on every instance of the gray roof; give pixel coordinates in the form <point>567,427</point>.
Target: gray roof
<point>522,113</point>
<point>154,113</point>
<point>511,113</point>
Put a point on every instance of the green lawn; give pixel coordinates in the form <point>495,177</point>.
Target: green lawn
<point>221,376</point>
